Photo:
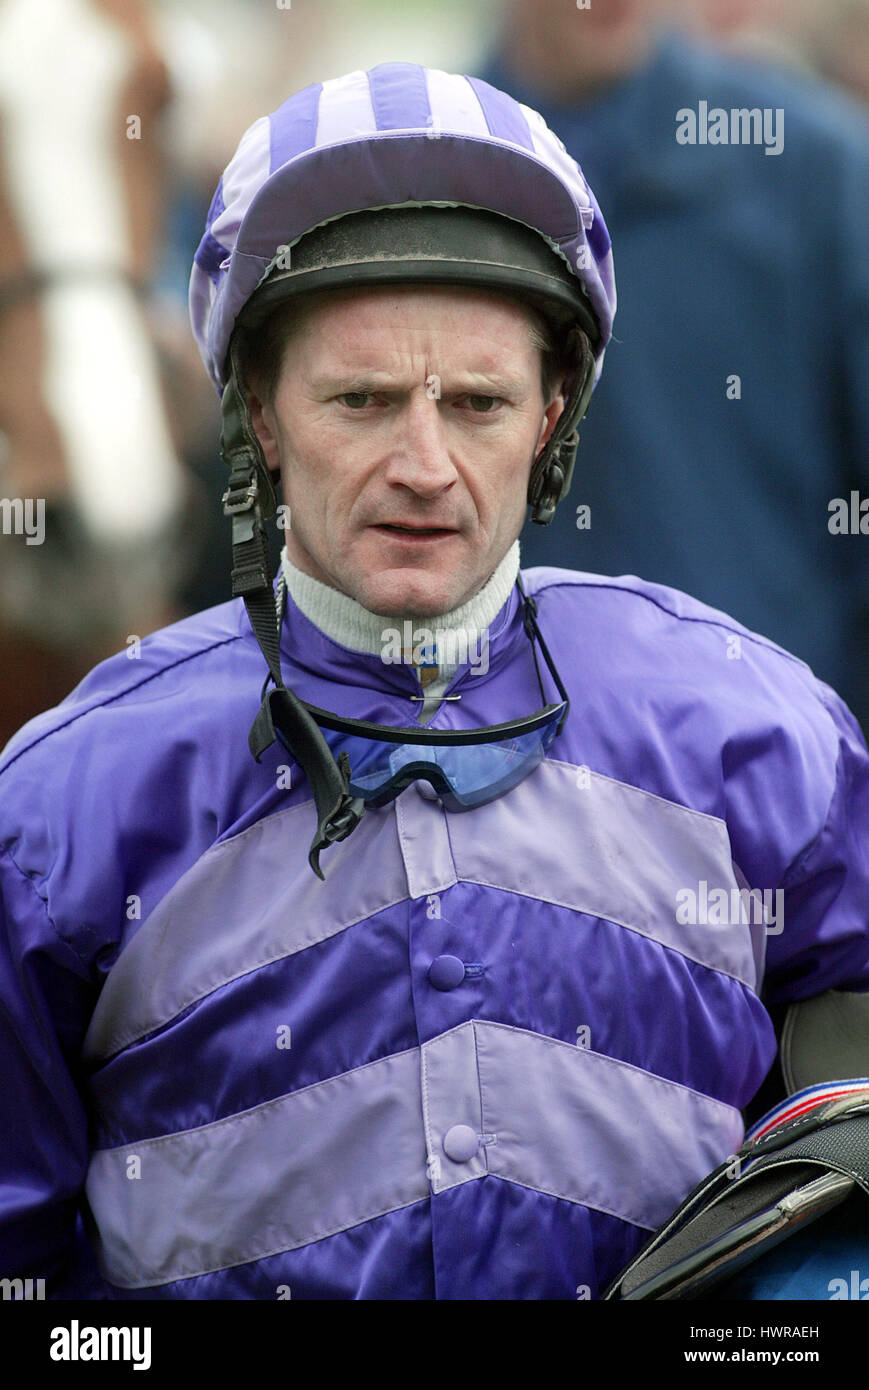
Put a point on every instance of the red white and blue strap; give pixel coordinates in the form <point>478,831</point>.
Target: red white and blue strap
<point>795,1107</point>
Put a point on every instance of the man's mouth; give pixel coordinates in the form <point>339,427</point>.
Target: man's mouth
<point>415,530</point>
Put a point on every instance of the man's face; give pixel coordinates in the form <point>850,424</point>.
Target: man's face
<point>569,51</point>
<point>406,407</point>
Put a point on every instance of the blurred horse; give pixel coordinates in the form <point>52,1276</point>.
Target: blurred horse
<point>89,467</point>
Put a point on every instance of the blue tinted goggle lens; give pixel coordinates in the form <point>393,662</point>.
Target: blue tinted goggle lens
<point>464,775</point>
<point>466,769</point>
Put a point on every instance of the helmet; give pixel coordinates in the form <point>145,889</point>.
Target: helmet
<point>414,141</point>
<point>396,175</point>
<point>397,136</point>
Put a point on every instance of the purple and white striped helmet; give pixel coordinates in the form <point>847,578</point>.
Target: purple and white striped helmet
<point>397,136</point>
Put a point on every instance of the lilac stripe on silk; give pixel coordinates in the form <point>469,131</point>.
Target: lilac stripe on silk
<point>218,922</point>
<point>294,126</point>
<point>535,1111</point>
<point>252,899</point>
<point>345,109</point>
<point>210,252</point>
<point>569,1121</point>
<point>503,115</point>
<point>217,204</point>
<point>454,104</point>
<point>244,174</point>
<point>551,150</point>
<point>399,96</point>
<point>272,1178</point>
<point>591,826</point>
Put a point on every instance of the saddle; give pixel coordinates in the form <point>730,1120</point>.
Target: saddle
<point>799,1163</point>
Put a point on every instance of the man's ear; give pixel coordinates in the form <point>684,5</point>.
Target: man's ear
<point>550,420</point>
<point>265,427</point>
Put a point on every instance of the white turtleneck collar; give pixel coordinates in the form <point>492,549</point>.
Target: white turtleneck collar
<point>351,625</point>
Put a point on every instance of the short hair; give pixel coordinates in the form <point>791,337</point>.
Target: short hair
<point>261,349</point>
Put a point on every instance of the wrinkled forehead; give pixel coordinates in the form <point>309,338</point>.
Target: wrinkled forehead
<point>357,316</point>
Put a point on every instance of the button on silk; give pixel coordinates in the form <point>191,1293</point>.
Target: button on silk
<point>461,1143</point>
<point>445,972</point>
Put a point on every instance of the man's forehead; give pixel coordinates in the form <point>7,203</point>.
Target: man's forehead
<point>417,305</point>
<point>346,322</point>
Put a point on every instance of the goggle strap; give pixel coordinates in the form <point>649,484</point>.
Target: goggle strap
<point>338,813</point>
<point>529,617</point>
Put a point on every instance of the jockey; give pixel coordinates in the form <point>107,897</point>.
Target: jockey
<point>583,839</point>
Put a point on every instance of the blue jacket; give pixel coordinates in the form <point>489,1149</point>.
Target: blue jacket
<point>730,263</point>
<point>493,1050</point>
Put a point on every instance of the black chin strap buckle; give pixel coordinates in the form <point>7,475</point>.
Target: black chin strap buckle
<point>338,811</point>
<point>240,498</point>
<point>338,823</point>
<point>552,487</point>
<point>552,470</point>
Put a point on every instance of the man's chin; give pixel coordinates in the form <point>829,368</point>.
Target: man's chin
<point>410,593</point>
<point>412,604</point>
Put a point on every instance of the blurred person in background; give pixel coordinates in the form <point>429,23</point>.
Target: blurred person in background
<point>92,484</point>
<point>840,46</point>
<point>773,31</point>
<point>831,40</point>
<point>715,455</point>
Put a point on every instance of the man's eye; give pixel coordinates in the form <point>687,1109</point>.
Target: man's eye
<point>483,405</point>
<point>356,400</point>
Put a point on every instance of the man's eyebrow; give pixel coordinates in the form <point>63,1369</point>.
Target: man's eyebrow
<point>493,383</point>
<point>352,380</point>
<point>490,383</point>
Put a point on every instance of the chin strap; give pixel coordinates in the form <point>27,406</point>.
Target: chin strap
<point>552,471</point>
<point>338,813</point>
<point>249,501</point>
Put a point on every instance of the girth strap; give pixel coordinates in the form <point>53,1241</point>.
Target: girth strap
<point>794,1174</point>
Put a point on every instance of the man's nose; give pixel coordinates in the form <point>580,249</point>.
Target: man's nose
<point>420,455</point>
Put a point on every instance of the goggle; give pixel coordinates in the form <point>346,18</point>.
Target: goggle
<point>466,767</point>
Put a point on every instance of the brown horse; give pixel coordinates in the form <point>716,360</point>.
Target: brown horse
<point>91,489</point>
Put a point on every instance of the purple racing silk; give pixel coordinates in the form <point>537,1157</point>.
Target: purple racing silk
<point>494,1049</point>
